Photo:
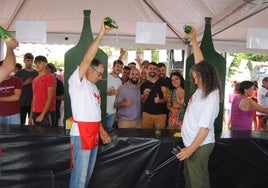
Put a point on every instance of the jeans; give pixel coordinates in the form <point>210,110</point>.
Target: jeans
<point>10,120</point>
<point>109,120</point>
<point>83,164</point>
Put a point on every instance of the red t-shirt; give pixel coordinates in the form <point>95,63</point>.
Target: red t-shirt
<point>7,88</point>
<point>40,87</point>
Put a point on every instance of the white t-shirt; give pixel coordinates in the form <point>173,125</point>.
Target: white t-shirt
<point>85,101</point>
<point>200,112</point>
<point>262,99</point>
<point>112,83</point>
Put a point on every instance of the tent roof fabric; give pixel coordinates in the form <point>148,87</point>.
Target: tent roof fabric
<point>230,19</point>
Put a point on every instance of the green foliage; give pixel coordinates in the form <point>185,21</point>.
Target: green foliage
<point>250,57</point>
<point>155,53</point>
<point>257,57</point>
<point>249,65</point>
<point>108,50</point>
<point>57,63</point>
<point>155,56</point>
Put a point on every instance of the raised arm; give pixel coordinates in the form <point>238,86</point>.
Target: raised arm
<point>10,60</point>
<point>122,54</point>
<point>92,50</point>
<point>198,55</point>
<point>139,61</point>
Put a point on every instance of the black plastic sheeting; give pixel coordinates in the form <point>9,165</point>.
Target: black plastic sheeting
<point>137,162</point>
<point>33,157</point>
<point>37,157</point>
<point>240,160</point>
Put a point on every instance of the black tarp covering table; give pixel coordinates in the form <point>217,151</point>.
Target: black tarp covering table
<point>240,160</point>
<point>33,156</point>
<point>39,157</point>
<point>128,162</point>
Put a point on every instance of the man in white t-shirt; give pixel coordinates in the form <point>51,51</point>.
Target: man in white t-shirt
<point>86,111</point>
<point>113,83</point>
<point>262,98</point>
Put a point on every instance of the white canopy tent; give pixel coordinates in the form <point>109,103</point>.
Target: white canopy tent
<point>230,19</point>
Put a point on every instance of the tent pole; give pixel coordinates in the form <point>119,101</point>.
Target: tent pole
<point>240,20</point>
<point>12,18</point>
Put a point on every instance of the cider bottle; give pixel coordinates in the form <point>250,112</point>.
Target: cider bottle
<point>5,34</point>
<point>110,23</point>
<point>187,29</point>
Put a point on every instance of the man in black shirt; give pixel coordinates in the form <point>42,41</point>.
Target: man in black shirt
<point>154,90</point>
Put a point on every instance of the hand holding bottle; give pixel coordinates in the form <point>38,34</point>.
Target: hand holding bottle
<point>187,29</point>
<point>6,35</point>
<point>191,35</point>
<point>109,22</point>
<point>104,30</point>
<point>12,44</point>
<point>198,55</point>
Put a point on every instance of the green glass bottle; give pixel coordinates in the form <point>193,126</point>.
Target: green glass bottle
<point>187,29</point>
<point>110,23</point>
<point>5,34</point>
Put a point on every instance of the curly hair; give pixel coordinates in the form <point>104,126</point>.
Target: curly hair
<point>209,76</point>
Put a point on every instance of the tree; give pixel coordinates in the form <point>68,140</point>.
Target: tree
<point>250,57</point>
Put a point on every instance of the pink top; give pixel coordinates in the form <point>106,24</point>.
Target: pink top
<point>240,119</point>
<point>232,96</point>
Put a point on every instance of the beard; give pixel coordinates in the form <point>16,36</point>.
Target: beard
<point>134,80</point>
<point>152,74</point>
<point>161,75</point>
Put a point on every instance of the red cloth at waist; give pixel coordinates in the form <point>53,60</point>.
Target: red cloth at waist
<point>89,134</point>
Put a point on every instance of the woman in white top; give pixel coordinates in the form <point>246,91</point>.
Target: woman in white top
<point>198,123</point>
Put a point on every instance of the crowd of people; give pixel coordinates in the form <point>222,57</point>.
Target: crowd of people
<point>139,95</point>
<point>30,95</point>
